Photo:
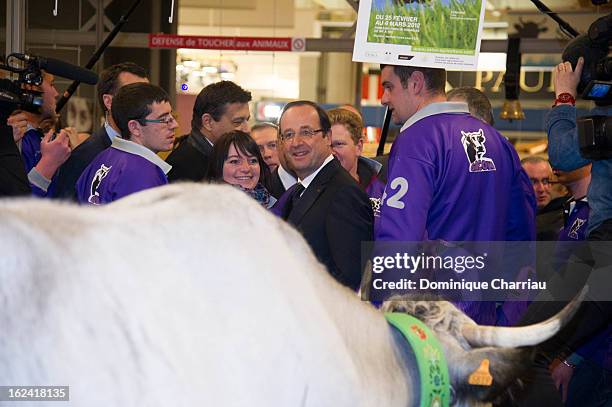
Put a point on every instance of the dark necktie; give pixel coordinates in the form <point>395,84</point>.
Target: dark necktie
<point>293,198</point>
<point>296,194</point>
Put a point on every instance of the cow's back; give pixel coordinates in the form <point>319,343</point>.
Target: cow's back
<point>182,295</point>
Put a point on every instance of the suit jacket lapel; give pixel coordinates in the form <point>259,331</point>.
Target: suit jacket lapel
<point>313,191</point>
<point>199,142</point>
<point>276,185</point>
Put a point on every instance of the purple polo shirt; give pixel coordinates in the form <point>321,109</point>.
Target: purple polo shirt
<point>122,169</point>
<point>30,148</point>
<point>454,177</point>
<point>576,222</point>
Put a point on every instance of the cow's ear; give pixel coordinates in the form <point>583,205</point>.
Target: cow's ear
<point>486,374</point>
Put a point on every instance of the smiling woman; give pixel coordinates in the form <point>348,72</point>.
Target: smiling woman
<point>237,160</point>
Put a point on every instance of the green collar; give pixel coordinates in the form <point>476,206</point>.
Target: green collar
<point>433,370</point>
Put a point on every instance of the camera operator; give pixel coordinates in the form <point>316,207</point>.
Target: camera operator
<point>42,153</point>
<point>564,151</point>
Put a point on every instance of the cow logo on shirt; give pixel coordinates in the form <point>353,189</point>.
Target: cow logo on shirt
<point>573,233</point>
<point>94,195</point>
<point>474,146</point>
<point>375,202</point>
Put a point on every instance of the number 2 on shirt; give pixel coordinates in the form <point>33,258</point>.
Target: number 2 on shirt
<point>401,184</point>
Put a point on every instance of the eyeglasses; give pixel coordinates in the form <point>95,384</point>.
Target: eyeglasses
<point>168,120</point>
<point>544,181</point>
<point>306,133</point>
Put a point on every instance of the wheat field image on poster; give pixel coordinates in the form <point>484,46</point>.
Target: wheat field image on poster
<point>443,26</point>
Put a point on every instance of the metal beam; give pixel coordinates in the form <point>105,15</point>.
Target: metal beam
<point>350,33</point>
<point>154,56</point>
<point>528,45</point>
<point>354,4</point>
<point>15,26</point>
<point>141,40</point>
<point>74,38</point>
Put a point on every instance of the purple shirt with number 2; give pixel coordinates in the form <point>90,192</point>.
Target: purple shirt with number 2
<point>453,177</point>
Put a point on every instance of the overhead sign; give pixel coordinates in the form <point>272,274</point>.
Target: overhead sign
<point>428,33</point>
<point>227,43</point>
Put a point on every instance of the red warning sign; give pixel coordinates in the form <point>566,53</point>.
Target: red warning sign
<point>227,43</point>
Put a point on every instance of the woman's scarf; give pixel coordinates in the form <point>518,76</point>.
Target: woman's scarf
<point>259,193</point>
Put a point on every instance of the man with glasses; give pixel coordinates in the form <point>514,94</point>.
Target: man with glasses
<point>326,205</point>
<point>143,115</point>
<point>540,174</point>
<point>111,80</point>
<point>220,108</point>
<point>549,219</point>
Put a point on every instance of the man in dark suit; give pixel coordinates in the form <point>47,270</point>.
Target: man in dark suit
<point>219,108</point>
<point>111,80</point>
<point>327,206</point>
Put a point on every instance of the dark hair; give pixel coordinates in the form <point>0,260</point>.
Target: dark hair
<point>213,99</point>
<point>133,102</point>
<point>244,144</point>
<point>478,103</point>
<point>435,78</point>
<point>323,117</point>
<point>109,79</point>
<point>350,120</point>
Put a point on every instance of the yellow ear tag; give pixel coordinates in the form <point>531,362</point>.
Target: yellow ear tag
<point>481,376</point>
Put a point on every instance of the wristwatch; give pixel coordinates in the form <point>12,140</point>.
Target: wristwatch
<point>565,98</point>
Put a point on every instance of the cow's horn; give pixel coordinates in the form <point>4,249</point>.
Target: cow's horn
<point>478,336</point>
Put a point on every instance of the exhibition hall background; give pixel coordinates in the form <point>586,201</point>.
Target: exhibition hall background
<point>323,73</point>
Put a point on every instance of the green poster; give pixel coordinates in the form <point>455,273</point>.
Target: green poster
<point>406,29</point>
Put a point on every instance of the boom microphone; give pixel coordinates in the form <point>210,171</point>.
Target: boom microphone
<point>61,68</point>
<point>69,71</point>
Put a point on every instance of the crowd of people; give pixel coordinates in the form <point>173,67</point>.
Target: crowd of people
<point>450,175</point>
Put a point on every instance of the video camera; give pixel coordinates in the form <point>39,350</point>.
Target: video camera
<point>596,80</point>
<point>594,132</point>
<point>13,93</point>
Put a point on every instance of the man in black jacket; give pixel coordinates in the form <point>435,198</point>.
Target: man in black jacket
<point>327,205</point>
<point>219,108</point>
<point>13,178</point>
<point>111,80</point>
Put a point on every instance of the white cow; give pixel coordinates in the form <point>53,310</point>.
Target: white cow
<point>192,295</point>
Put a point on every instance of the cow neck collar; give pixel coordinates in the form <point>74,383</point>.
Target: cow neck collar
<point>433,369</point>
